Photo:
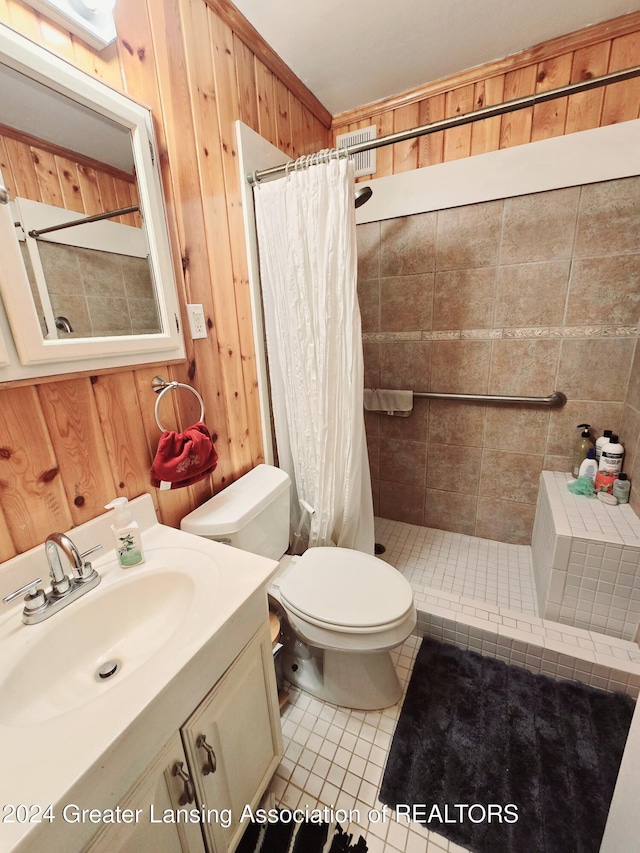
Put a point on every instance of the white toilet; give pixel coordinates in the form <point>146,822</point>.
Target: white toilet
<point>345,609</point>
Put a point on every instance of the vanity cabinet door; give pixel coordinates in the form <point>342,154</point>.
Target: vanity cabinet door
<point>233,742</point>
<point>159,792</point>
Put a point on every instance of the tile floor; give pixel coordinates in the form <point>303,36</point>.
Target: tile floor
<point>335,756</point>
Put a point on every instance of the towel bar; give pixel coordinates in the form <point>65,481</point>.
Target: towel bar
<point>161,386</point>
<point>555,400</point>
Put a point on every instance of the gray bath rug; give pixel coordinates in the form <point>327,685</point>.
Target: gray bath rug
<point>502,761</point>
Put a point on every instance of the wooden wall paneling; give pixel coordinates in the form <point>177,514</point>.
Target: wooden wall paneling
<point>70,411</point>
<point>622,100</point>
<point>266,103</point>
<point>229,381</point>
<point>485,135</point>
<point>549,118</point>
<point>283,120</point>
<point>24,174</point>
<point>23,19</point>
<point>228,112</point>
<point>44,163</point>
<point>246,77</point>
<point>90,191</point>
<point>69,184</point>
<point>107,189</point>
<point>585,109</point>
<point>405,154</point>
<point>32,493</point>
<point>297,127</point>
<point>7,550</point>
<point>6,171</point>
<point>319,136</point>
<point>182,191</point>
<point>173,504</point>
<point>103,64</point>
<point>457,141</point>
<point>309,132</point>
<point>515,128</point>
<point>384,156</point>
<point>120,416</point>
<point>431,146</point>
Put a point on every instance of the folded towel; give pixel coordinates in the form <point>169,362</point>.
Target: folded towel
<point>183,458</point>
<point>398,403</point>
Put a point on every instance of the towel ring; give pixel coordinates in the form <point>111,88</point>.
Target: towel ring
<point>161,386</point>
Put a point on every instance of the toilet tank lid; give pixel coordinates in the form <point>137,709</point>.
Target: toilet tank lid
<point>237,505</point>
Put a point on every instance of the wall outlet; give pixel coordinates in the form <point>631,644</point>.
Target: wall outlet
<point>197,322</point>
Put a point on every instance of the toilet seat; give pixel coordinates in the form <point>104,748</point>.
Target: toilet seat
<point>347,591</point>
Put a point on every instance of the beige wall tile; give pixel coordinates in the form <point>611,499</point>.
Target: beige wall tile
<point>101,273</point>
<point>516,428</point>
<point>137,277</point>
<point>524,367</point>
<point>109,315</point>
<point>469,236</point>
<point>368,241</point>
<point>456,423</point>
<point>413,428</point>
<point>74,307</point>
<point>400,502</point>
<point>633,389</point>
<point>144,315</point>
<point>405,365</point>
<point>510,476</point>
<point>403,461</point>
<point>505,521</point>
<point>61,268</point>
<point>369,302</point>
<point>539,227</point>
<point>531,294</point>
<point>629,434</point>
<point>464,299</point>
<point>596,368</point>
<point>407,245</point>
<point>609,218</point>
<point>451,511</point>
<point>371,354</point>
<point>461,367</point>
<point>604,290</point>
<point>563,432</point>
<point>454,468</point>
<point>373,449</point>
<point>406,303</point>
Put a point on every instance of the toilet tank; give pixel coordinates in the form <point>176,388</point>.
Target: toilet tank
<point>251,514</point>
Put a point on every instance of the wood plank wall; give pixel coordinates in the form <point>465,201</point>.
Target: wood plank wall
<point>70,445</point>
<point>600,49</point>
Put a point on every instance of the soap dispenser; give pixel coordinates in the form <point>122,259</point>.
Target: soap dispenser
<point>126,533</point>
<point>581,449</point>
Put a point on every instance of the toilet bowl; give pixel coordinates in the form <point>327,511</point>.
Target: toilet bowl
<point>345,609</point>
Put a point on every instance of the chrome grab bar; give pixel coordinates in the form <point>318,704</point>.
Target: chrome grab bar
<point>555,400</point>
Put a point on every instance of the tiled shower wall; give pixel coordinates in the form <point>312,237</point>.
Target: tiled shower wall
<point>521,296</point>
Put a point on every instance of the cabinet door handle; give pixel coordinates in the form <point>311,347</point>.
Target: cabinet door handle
<point>210,764</point>
<point>189,794</point>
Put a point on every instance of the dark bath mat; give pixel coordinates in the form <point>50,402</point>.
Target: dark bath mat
<point>474,731</point>
<point>304,837</point>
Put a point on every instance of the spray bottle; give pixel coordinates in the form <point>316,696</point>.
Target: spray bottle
<point>126,533</point>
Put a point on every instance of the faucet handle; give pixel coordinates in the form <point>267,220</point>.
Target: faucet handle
<point>87,571</point>
<point>34,599</point>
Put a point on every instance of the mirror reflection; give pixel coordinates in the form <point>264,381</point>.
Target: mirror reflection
<point>75,206</point>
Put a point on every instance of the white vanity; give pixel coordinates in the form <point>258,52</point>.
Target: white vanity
<point>188,724</point>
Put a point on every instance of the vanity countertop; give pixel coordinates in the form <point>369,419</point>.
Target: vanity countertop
<point>82,743</point>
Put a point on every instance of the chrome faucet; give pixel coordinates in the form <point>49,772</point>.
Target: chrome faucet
<point>40,605</point>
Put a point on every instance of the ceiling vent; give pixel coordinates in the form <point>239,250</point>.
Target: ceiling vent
<point>365,161</point>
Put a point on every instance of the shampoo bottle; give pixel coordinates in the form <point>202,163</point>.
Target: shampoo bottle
<point>610,465</point>
<point>600,442</point>
<point>126,533</point>
<point>581,449</point>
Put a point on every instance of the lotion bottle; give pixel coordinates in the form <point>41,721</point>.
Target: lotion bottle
<point>126,533</point>
<point>589,466</point>
<point>621,489</point>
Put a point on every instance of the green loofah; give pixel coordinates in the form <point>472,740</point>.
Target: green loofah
<point>582,486</point>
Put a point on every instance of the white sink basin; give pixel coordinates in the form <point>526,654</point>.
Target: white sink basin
<point>101,639</point>
<point>115,627</point>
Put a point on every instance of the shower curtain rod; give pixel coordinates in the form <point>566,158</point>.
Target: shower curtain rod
<point>97,217</point>
<point>467,118</point>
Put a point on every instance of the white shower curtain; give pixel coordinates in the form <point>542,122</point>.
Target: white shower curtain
<point>307,245</point>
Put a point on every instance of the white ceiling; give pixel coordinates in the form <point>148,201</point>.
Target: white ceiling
<point>355,52</point>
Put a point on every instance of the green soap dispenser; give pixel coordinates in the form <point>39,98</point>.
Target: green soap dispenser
<point>583,445</point>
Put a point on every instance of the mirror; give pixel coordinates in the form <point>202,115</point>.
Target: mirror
<point>86,280</point>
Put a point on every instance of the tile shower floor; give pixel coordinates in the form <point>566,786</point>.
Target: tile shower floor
<point>335,756</point>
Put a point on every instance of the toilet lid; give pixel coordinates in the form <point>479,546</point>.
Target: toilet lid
<point>347,589</point>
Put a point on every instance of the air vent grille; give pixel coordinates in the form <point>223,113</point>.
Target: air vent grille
<point>365,161</point>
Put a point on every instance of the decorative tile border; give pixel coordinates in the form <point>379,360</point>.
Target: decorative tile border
<point>525,333</point>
